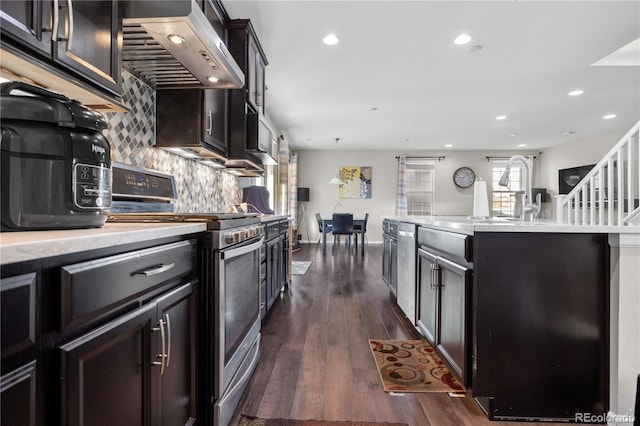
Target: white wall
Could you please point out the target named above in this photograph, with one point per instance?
(316, 168)
(581, 152)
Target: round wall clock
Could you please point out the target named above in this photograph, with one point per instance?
(464, 177)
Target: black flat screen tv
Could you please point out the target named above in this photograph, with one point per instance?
(569, 178)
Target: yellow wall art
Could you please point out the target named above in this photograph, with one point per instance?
(355, 181)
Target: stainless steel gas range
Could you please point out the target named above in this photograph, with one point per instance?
(228, 291)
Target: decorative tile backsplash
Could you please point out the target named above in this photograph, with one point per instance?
(201, 189)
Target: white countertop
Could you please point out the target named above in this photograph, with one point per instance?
(272, 217)
(469, 226)
(32, 245)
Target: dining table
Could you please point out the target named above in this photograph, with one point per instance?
(358, 229)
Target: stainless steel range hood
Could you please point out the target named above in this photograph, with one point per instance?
(197, 61)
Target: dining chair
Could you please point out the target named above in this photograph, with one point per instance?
(320, 230)
(319, 220)
(363, 231)
(342, 225)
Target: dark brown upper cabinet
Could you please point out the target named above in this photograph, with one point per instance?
(246, 49)
(80, 38)
(247, 104)
(215, 13)
(194, 120)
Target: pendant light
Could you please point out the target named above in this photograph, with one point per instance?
(335, 180)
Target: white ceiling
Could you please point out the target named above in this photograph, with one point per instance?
(399, 57)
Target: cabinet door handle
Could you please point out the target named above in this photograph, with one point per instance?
(434, 276)
(209, 123)
(162, 355)
(70, 34)
(168, 323)
(56, 20)
(431, 275)
(160, 269)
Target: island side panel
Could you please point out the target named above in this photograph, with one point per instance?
(540, 311)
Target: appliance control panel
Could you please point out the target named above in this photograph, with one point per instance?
(91, 186)
(237, 235)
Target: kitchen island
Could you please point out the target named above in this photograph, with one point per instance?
(571, 290)
(469, 226)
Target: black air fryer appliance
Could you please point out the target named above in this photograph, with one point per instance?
(55, 162)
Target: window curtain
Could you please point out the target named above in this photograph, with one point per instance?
(401, 204)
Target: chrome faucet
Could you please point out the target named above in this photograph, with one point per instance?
(527, 206)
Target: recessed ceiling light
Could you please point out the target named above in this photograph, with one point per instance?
(522, 145)
(576, 93)
(609, 116)
(513, 134)
(568, 132)
(501, 117)
(462, 39)
(176, 39)
(408, 140)
(213, 79)
(373, 109)
(449, 145)
(331, 39)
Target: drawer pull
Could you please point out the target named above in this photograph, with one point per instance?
(160, 269)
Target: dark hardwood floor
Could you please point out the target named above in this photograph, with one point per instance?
(315, 360)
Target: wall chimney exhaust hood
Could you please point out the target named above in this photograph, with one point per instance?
(171, 44)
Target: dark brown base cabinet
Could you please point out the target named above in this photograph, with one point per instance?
(276, 248)
(444, 297)
(104, 337)
(18, 390)
(19, 350)
(390, 255)
(138, 367)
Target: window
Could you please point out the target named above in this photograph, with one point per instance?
(419, 176)
(503, 198)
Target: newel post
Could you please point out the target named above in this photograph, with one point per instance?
(559, 208)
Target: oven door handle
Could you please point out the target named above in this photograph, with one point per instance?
(228, 254)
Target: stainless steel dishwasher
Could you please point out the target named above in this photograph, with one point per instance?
(407, 246)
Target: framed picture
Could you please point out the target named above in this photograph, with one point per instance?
(355, 181)
(569, 178)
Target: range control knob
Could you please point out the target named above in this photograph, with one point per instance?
(231, 237)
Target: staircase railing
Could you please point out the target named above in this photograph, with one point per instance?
(608, 194)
